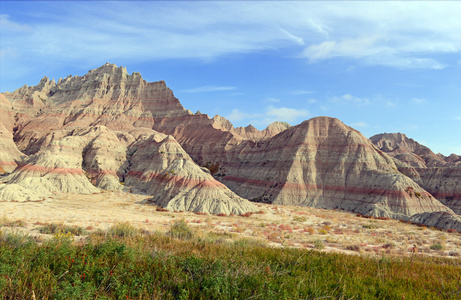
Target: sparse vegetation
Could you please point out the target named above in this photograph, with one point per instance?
(437, 247)
(55, 228)
(180, 230)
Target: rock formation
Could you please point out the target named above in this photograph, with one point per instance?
(111, 130)
(437, 174)
(160, 167)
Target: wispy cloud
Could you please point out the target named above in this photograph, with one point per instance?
(237, 116)
(293, 37)
(359, 124)
(270, 115)
(377, 33)
(209, 88)
(273, 100)
(458, 118)
(418, 100)
(7, 25)
(348, 98)
(286, 114)
(301, 92)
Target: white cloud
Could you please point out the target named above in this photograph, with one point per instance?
(374, 33)
(418, 100)
(209, 88)
(9, 26)
(458, 118)
(237, 116)
(293, 37)
(348, 98)
(270, 115)
(300, 92)
(312, 101)
(359, 124)
(273, 100)
(286, 114)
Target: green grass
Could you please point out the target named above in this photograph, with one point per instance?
(159, 266)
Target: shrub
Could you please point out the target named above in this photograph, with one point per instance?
(323, 231)
(55, 228)
(15, 239)
(180, 230)
(437, 247)
(353, 247)
(309, 230)
(122, 230)
(63, 237)
(318, 244)
(248, 214)
(161, 209)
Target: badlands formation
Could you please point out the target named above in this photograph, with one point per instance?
(109, 130)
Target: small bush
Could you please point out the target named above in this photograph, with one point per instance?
(248, 214)
(309, 230)
(122, 230)
(15, 239)
(55, 228)
(161, 209)
(323, 231)
(7, 223)
(437, 247)
(318, 244)
(353, 247)
(180, 230)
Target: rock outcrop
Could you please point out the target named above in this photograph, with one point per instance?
(160, 167)
(111, 130)
(437, 174)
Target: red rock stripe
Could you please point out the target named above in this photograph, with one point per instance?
(8, 163)
(42, 169)
(314, 187)
(178, 181)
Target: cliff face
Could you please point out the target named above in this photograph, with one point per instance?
(111, 130)
(437, 174)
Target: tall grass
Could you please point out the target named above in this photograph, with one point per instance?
(160, 266)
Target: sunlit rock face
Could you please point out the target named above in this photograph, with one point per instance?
(437, 174)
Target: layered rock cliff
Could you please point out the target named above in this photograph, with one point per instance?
(437, 174)
(111, 130)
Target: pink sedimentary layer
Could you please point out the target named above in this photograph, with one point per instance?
(44, 170)
(178, 181)
(8, 163)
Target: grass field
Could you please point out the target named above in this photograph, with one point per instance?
(124, 262)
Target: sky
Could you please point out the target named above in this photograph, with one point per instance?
(377, 66)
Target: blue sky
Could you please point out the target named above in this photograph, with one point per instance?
(377, 66)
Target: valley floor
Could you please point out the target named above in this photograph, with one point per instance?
(274, 225)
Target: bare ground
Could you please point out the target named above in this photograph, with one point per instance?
(275, 225)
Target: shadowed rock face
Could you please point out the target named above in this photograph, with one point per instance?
(437, 174)
(91, 132)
